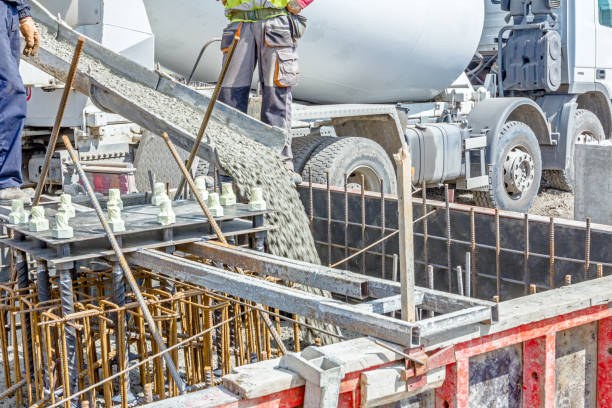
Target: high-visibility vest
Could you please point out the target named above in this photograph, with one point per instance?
(255, 4)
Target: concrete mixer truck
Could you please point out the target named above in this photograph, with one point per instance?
(490, 95)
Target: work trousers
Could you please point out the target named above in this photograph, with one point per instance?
(12, 98)
(269, 45)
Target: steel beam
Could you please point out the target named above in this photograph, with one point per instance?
(277, 296)
(445, 322)
(317, 276)
(335, 280)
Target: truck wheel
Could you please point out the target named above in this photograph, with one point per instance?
(587, 129)
(515, 181)
(302, 148)
(355, 157)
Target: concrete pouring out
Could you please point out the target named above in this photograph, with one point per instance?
(249, 163)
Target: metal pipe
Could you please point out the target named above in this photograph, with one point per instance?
(497, 252)
(526, 274)
(210, 108)
(406, 239)
(448, 239)
(430, 282)
(195, 66)
(187, 176)
(58, 119)
(383, 223)
(468, 274)
(460, 281)
(125, 267)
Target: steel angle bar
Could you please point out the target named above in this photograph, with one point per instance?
(330, 279)
(454, 320)
(388, 304)
(317, 276)
(277, 296)
(443, 302)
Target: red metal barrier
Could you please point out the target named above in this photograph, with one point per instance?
(538, 342)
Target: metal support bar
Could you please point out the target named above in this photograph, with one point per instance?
(334, 280)
(404, 170)
(126, 268)
(187, 176)
(317, 276)
(58, 119)
(445, 322)
(209, 109)
(276, 296)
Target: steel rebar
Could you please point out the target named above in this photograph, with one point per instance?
(124, 266)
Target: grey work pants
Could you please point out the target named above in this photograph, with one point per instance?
(268, 44)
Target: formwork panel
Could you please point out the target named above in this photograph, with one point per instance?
(496, 378)
(576, 367)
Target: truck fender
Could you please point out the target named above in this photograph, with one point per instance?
(598, 102)
(492, 114)
(560, 110)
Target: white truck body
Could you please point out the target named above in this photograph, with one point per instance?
(554, 69)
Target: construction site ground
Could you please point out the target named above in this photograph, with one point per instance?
(549, 203)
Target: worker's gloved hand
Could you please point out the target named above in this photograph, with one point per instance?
(31, 36)
(294, 7)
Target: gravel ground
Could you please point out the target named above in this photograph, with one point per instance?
(549, 203)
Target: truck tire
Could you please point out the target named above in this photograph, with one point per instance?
(515, 181)
(302, 148)
(587, 128)
(354, 156)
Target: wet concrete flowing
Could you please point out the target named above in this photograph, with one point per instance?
(249, 163)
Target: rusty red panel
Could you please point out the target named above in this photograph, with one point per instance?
(533, 372)
(291, 398)
(530, 331)
(604, 364)
(445, 395)
(539, 372)
(463, 383)
(549, 375)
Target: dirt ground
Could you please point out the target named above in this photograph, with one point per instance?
(549, 203)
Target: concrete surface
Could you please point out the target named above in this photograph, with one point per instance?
(593, 191)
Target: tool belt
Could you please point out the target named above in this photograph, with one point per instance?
(256, 15)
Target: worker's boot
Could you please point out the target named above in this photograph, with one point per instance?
(14, 193)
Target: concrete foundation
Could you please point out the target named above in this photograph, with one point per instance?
(593, 191)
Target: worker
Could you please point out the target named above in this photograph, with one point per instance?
(14, 17)
(268, 39)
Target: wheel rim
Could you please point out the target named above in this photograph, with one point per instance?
(365, 176)
(519, 172)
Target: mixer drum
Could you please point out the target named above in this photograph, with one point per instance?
(354, 51)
